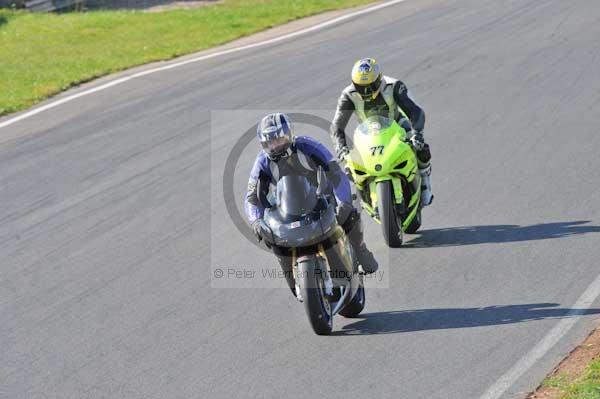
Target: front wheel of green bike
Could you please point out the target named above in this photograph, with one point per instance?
(391, 223)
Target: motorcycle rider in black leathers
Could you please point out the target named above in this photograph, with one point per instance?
(372, 93)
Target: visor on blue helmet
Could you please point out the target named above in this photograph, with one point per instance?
(275, 135)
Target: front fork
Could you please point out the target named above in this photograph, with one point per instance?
(343, 253)
(321, 258)
(398, 195)
(401, 206)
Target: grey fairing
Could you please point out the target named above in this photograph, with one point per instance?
(310, 231)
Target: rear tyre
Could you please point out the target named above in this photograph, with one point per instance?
(312, 289)
(415, 224)
(390, 223)
(356, 305)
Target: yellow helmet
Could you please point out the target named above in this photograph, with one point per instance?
(366, 78)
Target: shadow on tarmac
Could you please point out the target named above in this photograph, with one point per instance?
(473, 235)
(447, 318)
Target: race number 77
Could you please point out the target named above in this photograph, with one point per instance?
(376, 149)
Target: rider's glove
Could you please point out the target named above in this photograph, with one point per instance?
(417, 141)
(341, 152)
(256, 229)
(406, 125)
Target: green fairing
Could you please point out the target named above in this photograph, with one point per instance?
(381, 153)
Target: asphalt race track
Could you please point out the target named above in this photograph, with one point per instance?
(113, 219)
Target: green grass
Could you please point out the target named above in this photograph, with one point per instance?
(43, 54)
(586, 387)
(560, 381)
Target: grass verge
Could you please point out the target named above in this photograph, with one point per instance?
(586, 387)
(577, 376)
(43, 54)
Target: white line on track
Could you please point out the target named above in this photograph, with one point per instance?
(584, 302)
(119, 81)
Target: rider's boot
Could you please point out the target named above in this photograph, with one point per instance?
(424, 161)
(366, 260)
(426, 193)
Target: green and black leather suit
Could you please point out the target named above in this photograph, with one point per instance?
(394, 101)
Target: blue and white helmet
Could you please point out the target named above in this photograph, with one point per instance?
(275, 135)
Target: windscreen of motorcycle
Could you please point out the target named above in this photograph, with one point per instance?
(295, 195)
(374, 125)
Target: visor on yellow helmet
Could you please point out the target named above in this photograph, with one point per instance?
(366, 78)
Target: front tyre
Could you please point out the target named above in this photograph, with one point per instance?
(312, 290)
(390, 222)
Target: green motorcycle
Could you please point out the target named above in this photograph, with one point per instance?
(383, 166)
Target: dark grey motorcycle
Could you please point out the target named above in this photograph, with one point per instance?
(303, 220)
